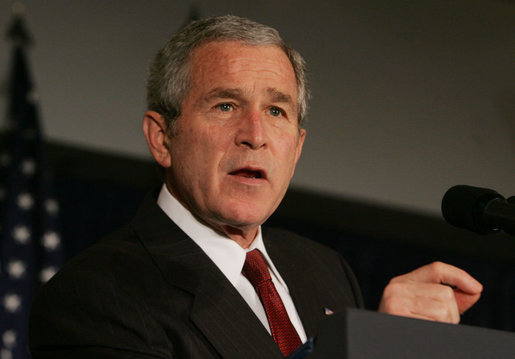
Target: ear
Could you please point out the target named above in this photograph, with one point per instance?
(154, 128)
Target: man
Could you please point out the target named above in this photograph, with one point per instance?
(227, 99)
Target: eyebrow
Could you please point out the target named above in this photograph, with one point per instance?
(278, 96)
(220, 92)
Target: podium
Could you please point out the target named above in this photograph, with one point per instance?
(361, 334)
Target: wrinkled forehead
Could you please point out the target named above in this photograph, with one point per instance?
(230, 62)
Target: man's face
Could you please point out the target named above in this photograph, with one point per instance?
(237, 140)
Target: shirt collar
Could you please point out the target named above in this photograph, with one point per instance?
(227, 255)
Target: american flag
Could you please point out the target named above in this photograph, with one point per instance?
(30, 247)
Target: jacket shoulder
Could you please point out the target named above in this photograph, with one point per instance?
(88, 302)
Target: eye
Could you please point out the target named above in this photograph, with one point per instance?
(275, 111)
(225, 107)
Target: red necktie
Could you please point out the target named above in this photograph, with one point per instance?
(283, 332)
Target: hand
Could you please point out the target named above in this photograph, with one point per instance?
(437, 291)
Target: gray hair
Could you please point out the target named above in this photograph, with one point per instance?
(169, 77)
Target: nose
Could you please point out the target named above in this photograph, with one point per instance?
(251, 132)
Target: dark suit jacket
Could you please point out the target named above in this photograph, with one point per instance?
(148, 291)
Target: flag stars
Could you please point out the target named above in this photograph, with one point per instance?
(30, 242)
(6, 354)
(47, 273)
(9, 339)
(28, 167)
(21, 234)
(16, 269)
(25, 201)
(51, 240)
(12, 302)
(52, 206)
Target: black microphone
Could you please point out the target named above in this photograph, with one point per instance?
(480, 210)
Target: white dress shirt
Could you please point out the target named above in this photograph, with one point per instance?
(229, 257)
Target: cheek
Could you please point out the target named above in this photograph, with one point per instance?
(202, 152)
(289, 154)
(185, 155)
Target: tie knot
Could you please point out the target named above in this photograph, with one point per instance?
(255, 268)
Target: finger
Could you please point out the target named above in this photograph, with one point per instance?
(464, 300)
(439, 272)
(417, 290)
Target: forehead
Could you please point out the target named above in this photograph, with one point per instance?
(232, 63)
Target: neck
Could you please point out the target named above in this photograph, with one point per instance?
(244, 237)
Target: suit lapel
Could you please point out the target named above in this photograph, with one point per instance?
(297, 275)
(218, 310)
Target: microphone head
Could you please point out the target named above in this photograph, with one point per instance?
(463, 206)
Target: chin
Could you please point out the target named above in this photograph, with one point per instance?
(244, 216)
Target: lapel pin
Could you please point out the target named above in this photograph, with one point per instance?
(328, 311)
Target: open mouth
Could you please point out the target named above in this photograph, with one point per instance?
(249, 173)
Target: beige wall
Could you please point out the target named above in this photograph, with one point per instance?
(409, 97)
